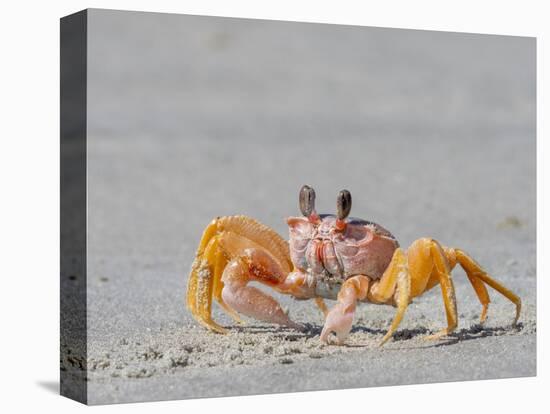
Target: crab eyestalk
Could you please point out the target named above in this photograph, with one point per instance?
(343, 208)
(307, 204)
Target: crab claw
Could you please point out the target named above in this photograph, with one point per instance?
(339, 321)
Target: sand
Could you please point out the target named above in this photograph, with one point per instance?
(186, 362)
(191, 118)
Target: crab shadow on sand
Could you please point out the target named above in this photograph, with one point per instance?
(310, 331)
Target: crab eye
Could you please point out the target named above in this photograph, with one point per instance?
(343, 204)
(307, 200)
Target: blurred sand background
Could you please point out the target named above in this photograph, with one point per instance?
(195, 117)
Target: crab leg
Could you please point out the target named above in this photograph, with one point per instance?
(205, 270)
(443, 271)
(395, 276)
(198, 265)
(382, 290)
(403, 298)
(482, 294)
(475, 271)
(479, 287)
(322, 306)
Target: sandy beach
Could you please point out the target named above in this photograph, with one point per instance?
(191, 118)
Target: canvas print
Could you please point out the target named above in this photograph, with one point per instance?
(253, 206)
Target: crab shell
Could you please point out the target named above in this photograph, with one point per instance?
(320, 248)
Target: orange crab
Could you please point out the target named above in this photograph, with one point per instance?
(328, 257)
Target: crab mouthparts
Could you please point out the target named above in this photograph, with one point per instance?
(319, 252)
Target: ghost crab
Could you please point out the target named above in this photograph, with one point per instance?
(328, 257)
